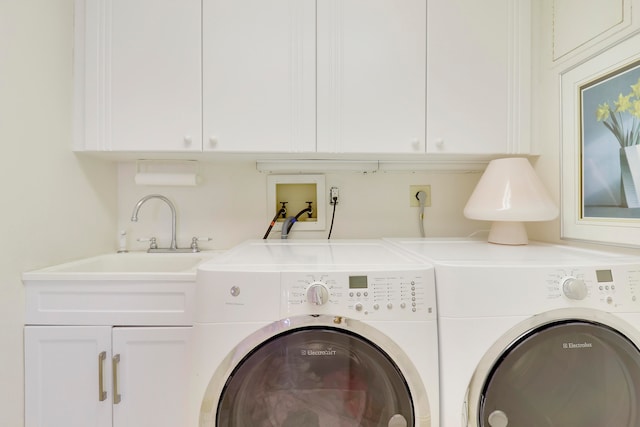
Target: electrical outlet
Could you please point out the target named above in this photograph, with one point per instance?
(333, 194)
(414, 189)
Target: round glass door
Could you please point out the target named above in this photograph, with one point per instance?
(316, 377)
(564, 374)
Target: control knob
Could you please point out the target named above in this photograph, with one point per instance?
(574, 288)
(317, 293)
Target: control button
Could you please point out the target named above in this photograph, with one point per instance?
(413, 294)
(413, 309)
(366, 294)
(413, 282)
(358, 294)
(317, 294)
(403, 305)
(234, 291)
(574, 288)
(389, 305)
(413, 298)
(358, 307)
(613, 287)
(376, 306)
(609, 300)
(351, 294)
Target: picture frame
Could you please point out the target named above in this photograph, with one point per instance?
(600, 117)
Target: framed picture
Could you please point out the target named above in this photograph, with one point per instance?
(600, 197)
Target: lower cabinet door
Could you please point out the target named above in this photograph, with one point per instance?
(150, 376)
(67, 376)
(103, 376)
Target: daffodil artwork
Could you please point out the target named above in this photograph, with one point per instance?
(610, 143)
(622, 116)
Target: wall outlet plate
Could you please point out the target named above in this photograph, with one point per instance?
(413, 190)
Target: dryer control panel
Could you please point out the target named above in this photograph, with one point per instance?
(515, 290)
(609, 287)
(379, 295)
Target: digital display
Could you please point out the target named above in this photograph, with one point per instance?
(604, 276)
(357, 282)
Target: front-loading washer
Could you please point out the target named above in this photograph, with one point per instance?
(538, 335)
(312, 333)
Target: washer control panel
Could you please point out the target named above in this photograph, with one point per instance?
(372, 295)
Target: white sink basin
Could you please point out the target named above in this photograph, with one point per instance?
(132, 263)
(135, 288)
(138, 264)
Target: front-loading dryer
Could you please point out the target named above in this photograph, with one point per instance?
(315, 334)
(539, 335)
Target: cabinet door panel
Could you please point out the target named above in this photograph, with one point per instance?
(143, 75)
(478, 65)
(62, 369)
(152, 376)
(259, 75)
(371, 76)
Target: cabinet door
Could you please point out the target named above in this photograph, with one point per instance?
(259, 75)
(142, 75)
(371, 76)
(151, 374)
(478, 65)
(67, 376)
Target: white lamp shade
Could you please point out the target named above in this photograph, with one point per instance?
(509, 191)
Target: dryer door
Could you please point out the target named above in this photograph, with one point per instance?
(563, 374)
(315, 376)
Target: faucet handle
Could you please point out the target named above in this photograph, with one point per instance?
(153, 243)
(195, 240)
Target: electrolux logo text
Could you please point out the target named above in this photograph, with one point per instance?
(311, 352)
(570, 345)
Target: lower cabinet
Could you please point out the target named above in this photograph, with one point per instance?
(103, 376)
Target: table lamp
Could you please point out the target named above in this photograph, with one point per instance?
(509, 193)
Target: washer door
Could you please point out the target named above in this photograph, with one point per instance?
(315, 376)
(565, 373)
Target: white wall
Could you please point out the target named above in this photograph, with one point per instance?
(231, 205)
(546, 114)
(54, 207)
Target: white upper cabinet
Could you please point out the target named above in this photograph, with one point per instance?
(259, 75)
(304, 76)
(478, 76)
(329, 76)
(371, 76)
(138, 75)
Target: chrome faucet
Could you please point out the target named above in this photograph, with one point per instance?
(134, 218)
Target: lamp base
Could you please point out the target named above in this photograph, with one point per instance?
(508, 233)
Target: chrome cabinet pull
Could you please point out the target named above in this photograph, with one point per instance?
(116, 396)
(102, 394)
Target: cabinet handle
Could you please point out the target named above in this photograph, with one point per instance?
(116, 396)
(102, 394)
